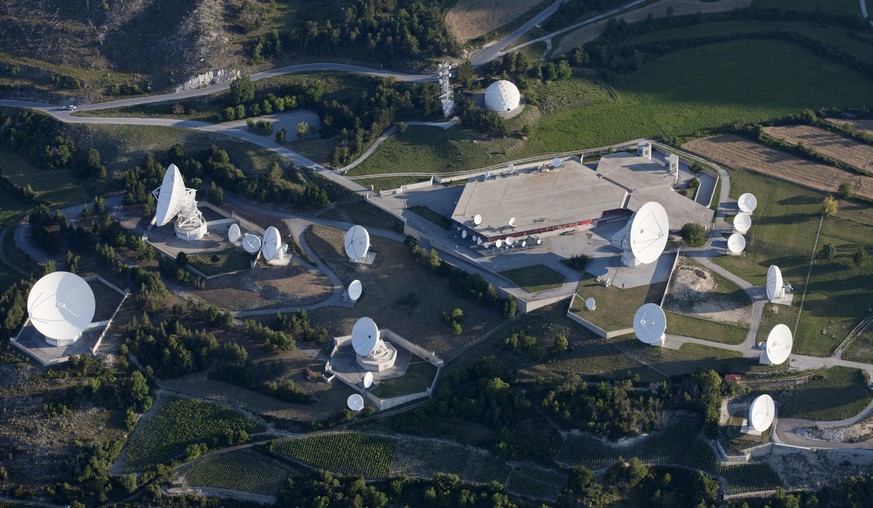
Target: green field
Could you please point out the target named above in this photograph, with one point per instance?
(215, 263)
(534, 279)
(680, 445)
(176, 423)
(343, 453)
(536, 482)
(57, 186)
(418, 378)
(687, 326)
(615, 306)
(240, 470)
(861, 350)
(835, 394)
(432, 216)
(849, 7)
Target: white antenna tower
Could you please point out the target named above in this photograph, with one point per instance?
(447, 94)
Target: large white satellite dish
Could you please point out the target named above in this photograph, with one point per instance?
(272, 244)
(778, 346)
(365, 336)
(510, 241)
(650, 323)
(747, 202)
(649, 230)
(498, 243)
(233, 233)
(357, 242)
(775, 284)
(761, 412)
(251, 243)
(590, 304)
(355, 290)
(171, 196)
(742, 222)
(368, 380)
(355, 402)
(477, 219)
(736, 243)
(60, 306)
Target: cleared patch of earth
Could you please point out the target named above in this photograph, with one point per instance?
(266, 287)
(469, 19)
(695, 292)
(815, 469)
(858, 125)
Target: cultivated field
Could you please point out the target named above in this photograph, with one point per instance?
(660, 9)
(536, 482)
(424, 457)
(241, 470)
(827, 143)
(469, 19)
(858, 125)
(739, 153)
(345, 453)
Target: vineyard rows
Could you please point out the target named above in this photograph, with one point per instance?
(679, 445)
(425, 457)
(240, 470)
(177, 423)
(739, 153)
(536, 482)
(345, 453)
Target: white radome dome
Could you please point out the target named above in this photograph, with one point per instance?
(502, 96)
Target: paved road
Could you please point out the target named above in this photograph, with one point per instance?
(486, 54)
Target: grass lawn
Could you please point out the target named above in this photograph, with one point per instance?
(418, 378)
(361, 212)
(432, 216)
(57, 186)
(849, 7)
(835, 394)
(228, 260)
(615, 307)
(861, 350)
(688, 326)
(534, 279)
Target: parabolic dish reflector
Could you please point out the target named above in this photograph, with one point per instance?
(464, 234)
(357, 242)
(477, 219)
(365, 336)
(498, 243)
(747, 202)
(736, 243)
(649, 230)
(779, 344)
(233, 233)
(761, 412)
(556, 162)
(170, 196)
(590, 304)
(355, 402)
(251, 243)
(510, 241)
(368, 379)
(774, 282)
(650, 323)
(512, 222)
(272, 243)
(742, 222)
(61, 305)
(355, 290)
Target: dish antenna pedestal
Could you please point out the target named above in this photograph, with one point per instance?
(174, 201)
(371, 352)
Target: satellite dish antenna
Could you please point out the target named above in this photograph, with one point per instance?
(477, 219)
(650, 323)
(355, 290)
(365, 336)
(512, 222)
(742, 222)
(736, 243)
(272, 244)
(649, 230)
(510, 241)
(171, 196)
(762, 412)
(556, 163)
(539, 241)
(355, 402)
(590, 304)
(511, 167)
(478, 240)
(368, 380)
(498, 243)
(464, 234)
(524, 243)
(778, 346)
(60, 306)
(775, 285)
(357, 242)
(486, 175)
(747, 202)
(251, 243)
(233, 233)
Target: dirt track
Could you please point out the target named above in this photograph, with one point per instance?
(659, 9)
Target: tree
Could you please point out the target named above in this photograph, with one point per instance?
(302, 129)
(827, 252)
(831, 206)
(561, 344)
(465, 74)
(510, 307)
(693, 234)
(846, 191)
(861, 258)
(95, 166)
(280, 136)
(181, 259)
(242, 90)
